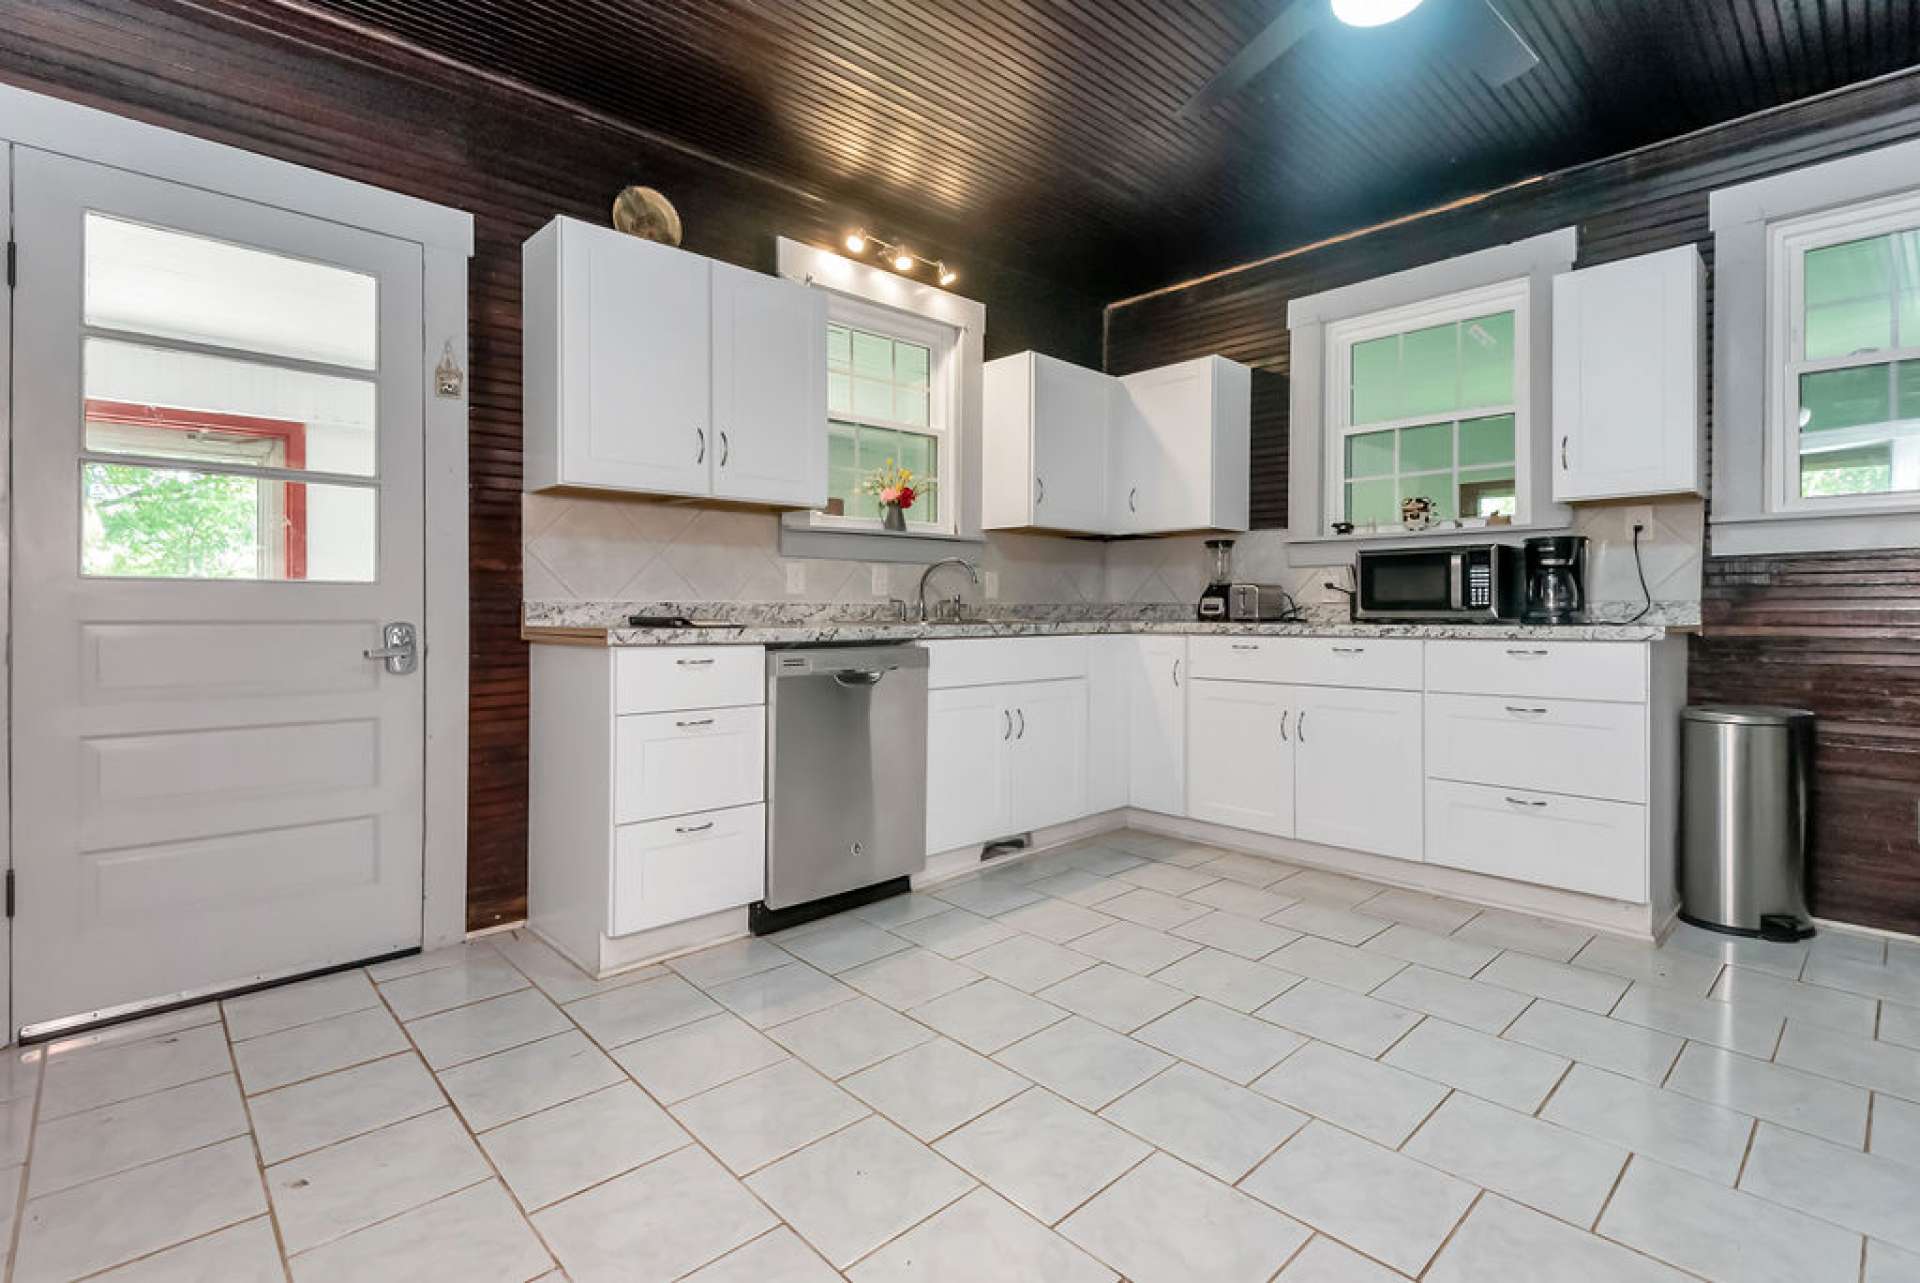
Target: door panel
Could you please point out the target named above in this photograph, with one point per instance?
(769, 389)
(1356, 769)
(1240, 755)
(212, 785)
(968, 733)
(1048, 766)
(1071, 409)
(1157, 737)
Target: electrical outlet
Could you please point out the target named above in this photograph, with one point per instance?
(990, 584)
(796, 578)
(881, 585)
(1641, 515)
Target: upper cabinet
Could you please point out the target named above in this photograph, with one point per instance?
(1077, 451)
(1628, 382)
(655, 371)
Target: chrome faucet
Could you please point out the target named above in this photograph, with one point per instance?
(927, 574)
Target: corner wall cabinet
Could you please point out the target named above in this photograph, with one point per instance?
(1629, 388)
(651, 370)
(1076, 451)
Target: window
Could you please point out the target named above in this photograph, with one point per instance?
(1428, 401)
(1844, 426)
(888, 403)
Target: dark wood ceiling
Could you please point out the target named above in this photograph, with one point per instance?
(1048, 130)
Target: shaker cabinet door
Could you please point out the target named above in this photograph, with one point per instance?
(1356, 769)
(969, 733)
(769, 389)
(1240, 755)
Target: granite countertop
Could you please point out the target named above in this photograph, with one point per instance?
(601, 624)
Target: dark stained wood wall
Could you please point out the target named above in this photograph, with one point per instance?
(257, 76)
(1838, 634)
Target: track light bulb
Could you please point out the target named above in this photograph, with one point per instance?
(856, 242)
(902, 261)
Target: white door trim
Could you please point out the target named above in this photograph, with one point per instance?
(446, 239)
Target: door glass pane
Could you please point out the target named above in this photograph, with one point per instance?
(150, 280)
(187, 405)
(176, 523)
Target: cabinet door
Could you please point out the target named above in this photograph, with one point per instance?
(1110, 664)
(1240, 755)
(1356, 769)
(969, 732)
(769, 389)
(1166, 449)
(1071, 409)
(638, 311)
(1627, 351)
(1047, 768)
(1157, 725)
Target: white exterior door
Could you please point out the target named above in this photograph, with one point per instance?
(769, 389)
(218, 475)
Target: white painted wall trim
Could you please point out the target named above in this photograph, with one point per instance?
(446, 239)
(1537, 258)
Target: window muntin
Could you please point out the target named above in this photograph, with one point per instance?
(1845, 423)
(1429, 403)
(886, 402)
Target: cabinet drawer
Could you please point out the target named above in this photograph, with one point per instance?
(1599, 848)
(1575, 746)
(679, 763)
(999, 661)
(672, 870)
(664, 679)
(1309, 661)
(1592, 670)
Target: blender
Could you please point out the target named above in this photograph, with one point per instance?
(1215, 596)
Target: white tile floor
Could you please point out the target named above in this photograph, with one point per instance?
(1137, 1058)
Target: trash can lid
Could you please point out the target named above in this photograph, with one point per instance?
(1745, 714)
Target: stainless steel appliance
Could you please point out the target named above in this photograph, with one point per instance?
(1744, 775)
(1556, 573)
(1255, 602)
(846, 775)
(1214, 598)
(1472, 583)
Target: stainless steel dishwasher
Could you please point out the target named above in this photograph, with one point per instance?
(846, 776)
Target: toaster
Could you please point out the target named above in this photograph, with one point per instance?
(1252, 603)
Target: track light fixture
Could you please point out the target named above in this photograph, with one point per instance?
(898, 257)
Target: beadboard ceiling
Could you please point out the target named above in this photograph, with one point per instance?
(1050, 130)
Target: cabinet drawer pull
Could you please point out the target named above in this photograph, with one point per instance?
(1522, 652)
(698, 721)
(1244, 645)
(1521, 801)
(1527, 712)
(694, 663)
(693, 828)
(1349, 650)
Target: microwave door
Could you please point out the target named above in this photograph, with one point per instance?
(1407, 585)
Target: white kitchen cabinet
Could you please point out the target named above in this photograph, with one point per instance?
(968, 729)
(651, 370)
(1157, 724)
(1180, 448)
(1577, 843)
(1628, 377)
(1047, 756)
(671, 870)
(1240, 755)
(1356, 769)
(1045, 424)
(1110, 663)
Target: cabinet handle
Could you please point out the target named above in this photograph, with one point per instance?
(1563, 454)
(1243, 645)
(700, 451)
(1527, 712)
(1006, 727)
(726, 449)
(1023, 723)
(1283, 724)
(1133, 495)
(698, 721)
(1040, 488)
(1349, 650)
(1300, 726)
(693, 828)
(1176, 672)
(694, 663)
(1523, 653)
(1521, 801)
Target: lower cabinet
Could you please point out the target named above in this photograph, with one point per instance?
(1356, 769)
(1004, 759)
(1548, 838)
(670, 870)
(1240, 755)
(1156, 700)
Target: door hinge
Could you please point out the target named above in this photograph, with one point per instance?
(9, 893)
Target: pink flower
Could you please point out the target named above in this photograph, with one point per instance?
(890, 495)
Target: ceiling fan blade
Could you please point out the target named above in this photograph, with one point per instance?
(1293, 25)
(1490, 46)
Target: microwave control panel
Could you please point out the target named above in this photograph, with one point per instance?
(1480, 585)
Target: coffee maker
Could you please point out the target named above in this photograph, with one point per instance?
(1214, 598)
(1555, 574)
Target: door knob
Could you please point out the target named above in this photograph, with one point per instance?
(401, 648)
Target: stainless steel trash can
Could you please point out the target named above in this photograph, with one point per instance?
(1744, 775)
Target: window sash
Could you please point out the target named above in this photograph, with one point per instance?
(942, 344)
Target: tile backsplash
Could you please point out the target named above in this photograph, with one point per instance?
(628, 549)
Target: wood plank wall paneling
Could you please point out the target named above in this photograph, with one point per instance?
(260, 77)
(1839, 634)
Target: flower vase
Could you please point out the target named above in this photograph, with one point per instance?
(892, 517)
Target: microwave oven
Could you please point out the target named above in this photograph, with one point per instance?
(1470, 583)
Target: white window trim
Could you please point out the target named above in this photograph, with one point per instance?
(1343, 336)
(1788, 243)
(942, 342)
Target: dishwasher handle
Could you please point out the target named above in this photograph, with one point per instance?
(860, 676)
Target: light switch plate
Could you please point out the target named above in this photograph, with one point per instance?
(990, 584)
(796, 578)
(880, 583)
